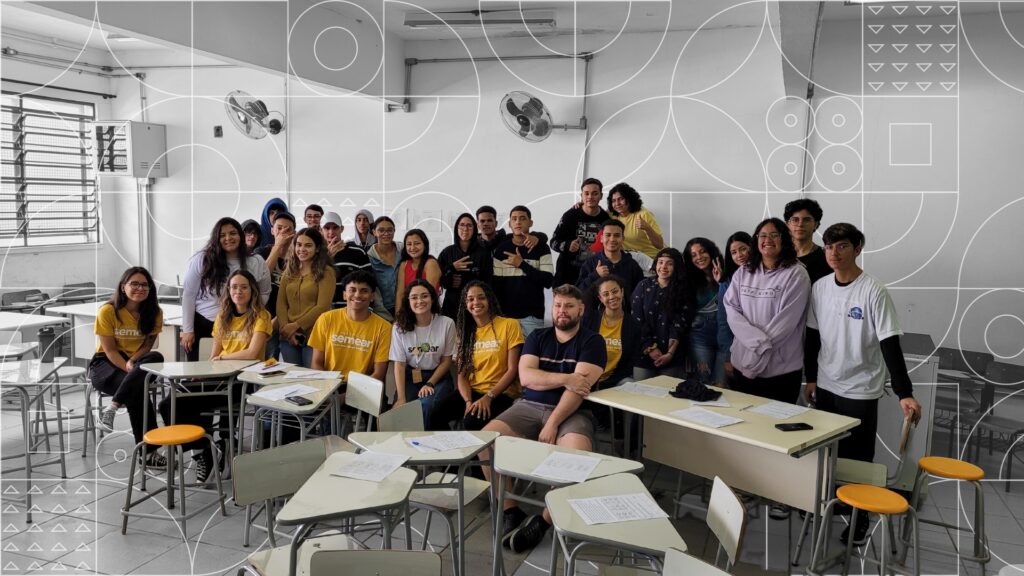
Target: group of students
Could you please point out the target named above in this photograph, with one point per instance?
(465, 333)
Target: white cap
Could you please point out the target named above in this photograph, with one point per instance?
(331, 218)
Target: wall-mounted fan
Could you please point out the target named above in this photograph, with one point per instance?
(527, 117)
(251, 116)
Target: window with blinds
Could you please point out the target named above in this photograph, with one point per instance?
(48, 190)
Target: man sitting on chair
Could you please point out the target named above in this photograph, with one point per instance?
(557, 368)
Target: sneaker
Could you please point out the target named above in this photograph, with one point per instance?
(860, 534)
(778, 511)
(513, 518)
(107, 418)
(204, 465)
(155, 460)
(527, 536)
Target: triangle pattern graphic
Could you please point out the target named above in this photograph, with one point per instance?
(875, 47)
(58, 489)
(58, 509)
(347, 203)
(876, 66)
(58, 547)
(947, 47)
(11, 490)
(924, 9)
(924, 86)
(899, 66)
(924, 66)
(10, 528)
(899, 28)
(60, 567)
(947, 9)
(899, 9)
(947, 66)
(899, 48)
(34, 490)
(83, 566)
(83, 547)
(82, 527)
(947, 28)
(899, 86)
(947, 85)
(34, 528)
(83, 489)
(11, 566)
(10, 547)
(924, 28)
(83, 509)
(33, 566)
(348, 222)
(876, 28)
(371, 203)
(875, 85)
(35, 508)
(34, 547)
(923, 47)
(876, 9)
(58, 528)
(324, 202)
(300, 203)
(10, 509)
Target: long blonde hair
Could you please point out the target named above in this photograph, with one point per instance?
(228, 310)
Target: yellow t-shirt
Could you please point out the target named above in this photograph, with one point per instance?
(490, 354)
(349, 345)
(635, 238)
(613, 343)
(233, 340)
(124, 328)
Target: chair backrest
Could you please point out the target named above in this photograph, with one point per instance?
(168, 293)
(205, 348)
(364, 393)
(281, 471)
(406, 418)
(679, 563)
(8, 298)
(374, 563)
(727, 518)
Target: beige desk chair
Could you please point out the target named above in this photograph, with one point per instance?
(374, 563)
(275, 473)
(679, 563)
(205, 348)
(727, 519)
(366, 395)
(406, 418)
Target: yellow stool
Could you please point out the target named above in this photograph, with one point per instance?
(865, 499)
(953, 469)
(174, 437)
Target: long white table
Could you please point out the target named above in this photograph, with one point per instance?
(27, 324)
(83, 317)
(794, 468)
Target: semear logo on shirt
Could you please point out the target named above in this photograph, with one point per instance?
(486, 345)
(424, 348)
(613, 342)
(856, 313)
(127, 332)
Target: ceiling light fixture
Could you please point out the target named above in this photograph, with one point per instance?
(121, 38)
(505, 19)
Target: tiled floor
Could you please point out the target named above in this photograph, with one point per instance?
(76, 524)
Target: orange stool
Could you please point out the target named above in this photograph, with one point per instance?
(865, 499)
(174, 437)
(953, 469)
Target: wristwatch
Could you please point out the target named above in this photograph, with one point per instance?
(490, 394)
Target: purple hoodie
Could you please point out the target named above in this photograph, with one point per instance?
(766, 311)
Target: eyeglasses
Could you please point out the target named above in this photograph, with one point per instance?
(385, 230)
(769, 236)
(796, 220)
(465, 225)
(138, 285)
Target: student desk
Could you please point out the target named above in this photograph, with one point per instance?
(325, 497)
(27, 324)
(397, 443)
(218, 375)
(794, 468)
(326, 392)
(83, 317)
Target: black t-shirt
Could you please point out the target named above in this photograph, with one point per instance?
(561, 357)
(814, 261)
(348, 259)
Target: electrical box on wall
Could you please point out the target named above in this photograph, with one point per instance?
(128, 148)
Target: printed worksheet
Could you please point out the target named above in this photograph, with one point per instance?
(443, 441)
(644, 390)
(705, 417)
(567, 467)
(713, 403)
(779, 410)
(313, 375)
(372, 466)
(622, 508)
(282, 392)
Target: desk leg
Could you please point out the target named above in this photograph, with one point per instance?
(60, 426)
(230, 444)
(241, 425)
(293, 550)
(627, 433)
(460, 570)
(385, 521)
(27, 430)
(499, 519)
(145, 421)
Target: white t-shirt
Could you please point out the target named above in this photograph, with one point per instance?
(425, 346)
(852, 321)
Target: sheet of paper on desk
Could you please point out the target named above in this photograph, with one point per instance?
(260, 367)
(699, 415)
(372, 466)
(443, 441)
(713, 403)
(644, 390)
(621, 508)
(779, 410)
(284, 391)
(567, 467)
(313, 375)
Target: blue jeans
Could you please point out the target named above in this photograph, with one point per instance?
(433, 404)
(704, 360)
(529, 324)
(301, 355)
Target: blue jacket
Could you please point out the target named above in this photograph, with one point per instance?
(265, 224)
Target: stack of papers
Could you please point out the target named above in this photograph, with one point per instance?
(261, 368)
(313, 375)
(567, 467)
(644, 389)
(371, 466)
(623, 508)
(779, 410)
(705, 417)
(282, 392)
(444, 441)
